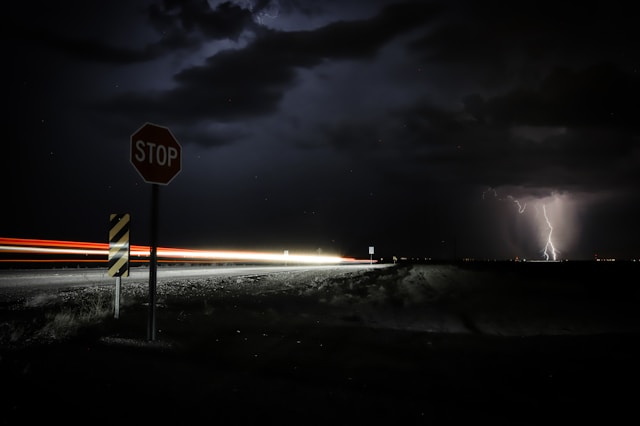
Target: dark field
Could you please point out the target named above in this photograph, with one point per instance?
(494, 343)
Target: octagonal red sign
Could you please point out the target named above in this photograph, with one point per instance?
(156, 154)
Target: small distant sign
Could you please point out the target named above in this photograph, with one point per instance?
(371, 251)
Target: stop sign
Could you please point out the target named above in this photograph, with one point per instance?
(156, 154)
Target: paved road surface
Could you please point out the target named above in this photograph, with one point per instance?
(60, 278)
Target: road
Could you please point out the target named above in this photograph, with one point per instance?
(61, 278)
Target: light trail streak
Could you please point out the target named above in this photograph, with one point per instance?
(51, 250)
(100, 252)
(51, 243)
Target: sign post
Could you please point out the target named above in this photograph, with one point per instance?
(371, 255)
(157, 156)
(153, 263)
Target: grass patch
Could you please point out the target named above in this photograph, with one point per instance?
(69, 321)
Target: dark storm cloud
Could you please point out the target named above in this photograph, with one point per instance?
(555, 102)
(251, 81)
(593, 112)
(571, 132)
(600, 95)
(101, 52)
(181, 25)
(226, 21)
(504, 40)
(598, 108)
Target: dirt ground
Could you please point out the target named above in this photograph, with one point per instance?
(408, 344)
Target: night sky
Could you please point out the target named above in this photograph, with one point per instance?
(452, 129)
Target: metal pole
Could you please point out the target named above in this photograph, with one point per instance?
(116, 303)
(153, 263)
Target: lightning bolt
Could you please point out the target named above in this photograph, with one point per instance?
(520, 206)
(548, 247)
(549, 251)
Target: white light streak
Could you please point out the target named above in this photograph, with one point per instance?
(241, 255)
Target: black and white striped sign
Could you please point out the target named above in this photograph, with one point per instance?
(119, 245)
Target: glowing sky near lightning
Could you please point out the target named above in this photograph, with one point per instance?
(540, 226)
